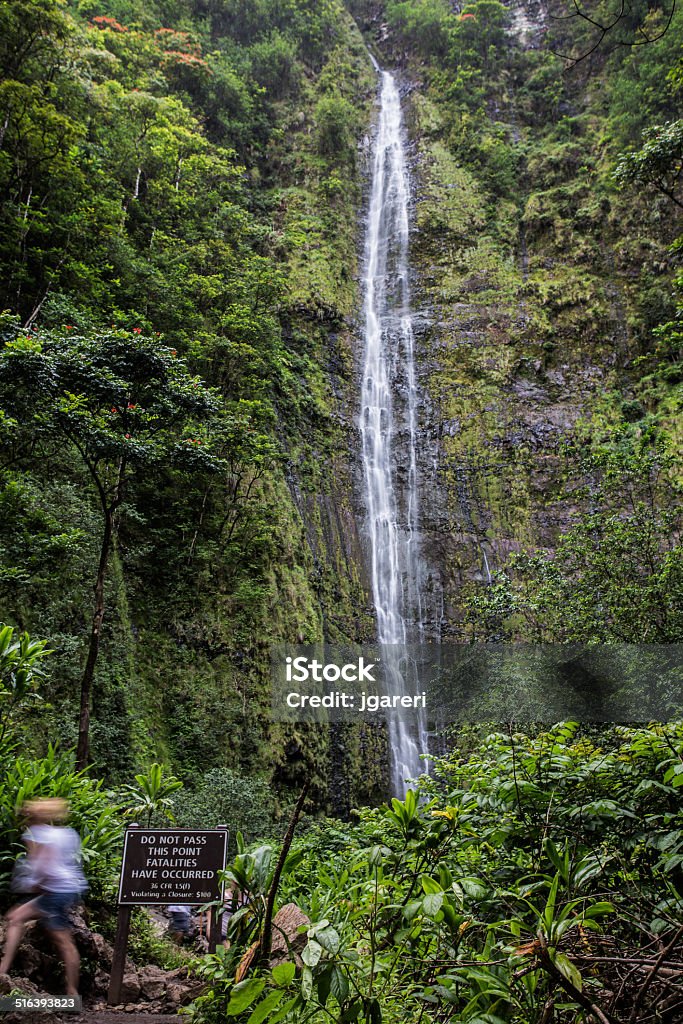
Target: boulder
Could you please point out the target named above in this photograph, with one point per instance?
(177, 995)
(130, 988)
(100, 982)
(286, 941)
(102, 950)
(152, 982)
(286, 935)
(178, 974)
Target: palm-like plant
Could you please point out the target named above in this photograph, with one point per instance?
(152, 794)
(19, 673)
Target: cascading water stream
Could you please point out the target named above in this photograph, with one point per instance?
(388, 425)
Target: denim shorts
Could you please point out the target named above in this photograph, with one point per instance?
(55, 908)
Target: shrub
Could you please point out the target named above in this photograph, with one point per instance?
(334, 117)
(223, 796)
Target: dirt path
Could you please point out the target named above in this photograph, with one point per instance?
(96, 1017)
(112, 1017)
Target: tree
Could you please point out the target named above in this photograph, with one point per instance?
(613, 24)
(659, 163)
(126, 406)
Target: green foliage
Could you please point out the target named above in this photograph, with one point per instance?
(93, 813)
(617, 572)
(641, 86)
(659, 163)
(130, 217)
(123, 405)
(485, 895)
(146, 946)
(20, 675)
(274, 65)
(334, 118)
(122, 400)
(222, 795)
(426, 24)
(152, 797)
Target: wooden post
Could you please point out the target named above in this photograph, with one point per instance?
(118, 962)
(213, 929)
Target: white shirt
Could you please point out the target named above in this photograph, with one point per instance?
(56, 858)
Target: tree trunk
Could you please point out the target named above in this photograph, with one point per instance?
(83, 748)
(267, 933)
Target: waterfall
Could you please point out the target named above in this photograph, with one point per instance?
(388, 425)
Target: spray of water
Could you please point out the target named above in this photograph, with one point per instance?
(388, 424)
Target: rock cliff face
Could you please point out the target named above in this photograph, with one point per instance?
(529, 305)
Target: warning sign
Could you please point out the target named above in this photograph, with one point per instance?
(172, 866)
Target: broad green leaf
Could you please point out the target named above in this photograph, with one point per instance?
(339, 986)
(352, 1012)
(306, 983)
(375, 1012)
(285, 1009)
(312, 953)
(430, 885)
(328, 939)
(598, 909)
(264, 1008)
(244, 994)
(569, 970)
(411, 909)
(283, 974)
(323, 982)
(432, 903)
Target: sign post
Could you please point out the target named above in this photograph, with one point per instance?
(166, 866)
(118, 960)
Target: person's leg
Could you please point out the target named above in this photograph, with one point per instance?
(70, 958)
(17, 919)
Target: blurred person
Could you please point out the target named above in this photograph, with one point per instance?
(52, 871)
(180, 924)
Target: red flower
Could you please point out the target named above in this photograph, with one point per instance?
(114, 409)
(103, 22)
(131, 406)
(137, 330)
(68, 327)
(128, 435)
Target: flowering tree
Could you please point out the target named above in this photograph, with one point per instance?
(127, 406)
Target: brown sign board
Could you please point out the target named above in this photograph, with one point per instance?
(172, 865)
